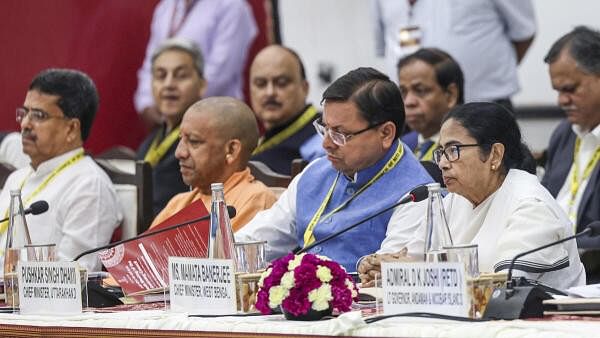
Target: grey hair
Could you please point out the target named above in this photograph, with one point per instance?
(183, 45)
(583, 45)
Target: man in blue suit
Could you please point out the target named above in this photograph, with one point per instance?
(366, 170)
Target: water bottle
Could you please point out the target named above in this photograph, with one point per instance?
(437, 235)
(221, 242)
(17, 236)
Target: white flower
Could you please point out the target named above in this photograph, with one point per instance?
(276, 295)
(324, 274)
(263, 276)
(287, 280)
(320, 297)
(294, 263)
(351, 287)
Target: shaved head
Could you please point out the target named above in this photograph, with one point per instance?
(217, 137)
(232, 118)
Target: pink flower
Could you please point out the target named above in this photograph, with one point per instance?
(262, 302)
(311, 259)
(336, 270)
(306, 277)
(296, 303)
(342, 298)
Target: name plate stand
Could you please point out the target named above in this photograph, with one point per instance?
(50, 288)
(424, 287)
(202, 286)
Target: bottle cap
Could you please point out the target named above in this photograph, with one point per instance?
(216, 186)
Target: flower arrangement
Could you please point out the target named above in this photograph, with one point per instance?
(304, 282)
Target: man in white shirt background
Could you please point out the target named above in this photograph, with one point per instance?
(488, 38)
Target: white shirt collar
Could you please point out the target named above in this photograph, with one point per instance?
(583, 133)
(51, 164)
(435, 138)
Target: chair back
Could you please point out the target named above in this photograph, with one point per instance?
(298, 164)
(135, 195)
(121, 157)
(118, 152)
(263, 173)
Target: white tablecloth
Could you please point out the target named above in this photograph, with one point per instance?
(350, 324)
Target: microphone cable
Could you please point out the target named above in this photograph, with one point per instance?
(430, 315)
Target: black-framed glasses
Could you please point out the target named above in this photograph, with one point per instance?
(337, 137)
(35, 115)
(451, 152)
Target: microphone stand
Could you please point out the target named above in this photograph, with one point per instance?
(509, 279)
(335, 234)
(416, 195)
(517, 301)
(230, 210)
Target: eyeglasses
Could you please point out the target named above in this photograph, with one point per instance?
(338, 138)
(36, 116)
(452, 152)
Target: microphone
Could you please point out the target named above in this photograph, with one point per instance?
(415, 195)
(36, 208)
(517, 301)
(230, 210)
(593, 229)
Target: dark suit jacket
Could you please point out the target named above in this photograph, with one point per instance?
(560, 159)
(279, 158)
(166, 177)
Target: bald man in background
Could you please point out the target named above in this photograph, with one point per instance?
(218, 135)
(278, 91)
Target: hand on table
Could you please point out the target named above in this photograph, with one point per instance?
(369, 268)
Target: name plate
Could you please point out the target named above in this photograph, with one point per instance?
(202, 286)
(424, 287)
(52, 288)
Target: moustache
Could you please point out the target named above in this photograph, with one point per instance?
(26, 133)
(271, 102)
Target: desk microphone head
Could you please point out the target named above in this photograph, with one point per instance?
(419, 193)
(40, 207)
(230, 210)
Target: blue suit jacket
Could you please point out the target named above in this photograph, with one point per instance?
(411, 139)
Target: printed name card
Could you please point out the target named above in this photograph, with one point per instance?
(424, 287)
(202, 286)
(52, 288)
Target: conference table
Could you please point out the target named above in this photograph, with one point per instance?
(163, 323)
